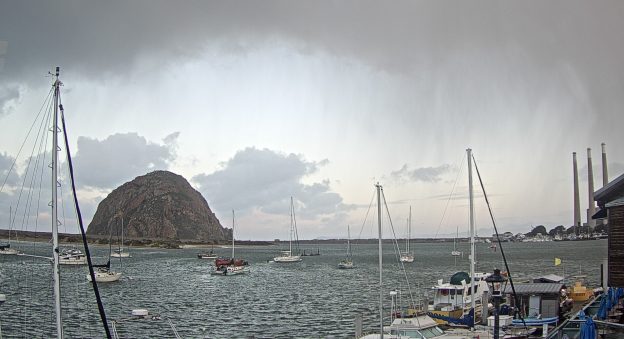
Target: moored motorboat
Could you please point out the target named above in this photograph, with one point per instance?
(72, 256)
(580, 292)
(207, 255)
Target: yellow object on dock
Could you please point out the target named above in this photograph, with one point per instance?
(580, 293)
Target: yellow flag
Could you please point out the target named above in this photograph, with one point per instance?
(557, 261)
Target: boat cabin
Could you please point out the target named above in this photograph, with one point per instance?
(455, 294)
(537, 299)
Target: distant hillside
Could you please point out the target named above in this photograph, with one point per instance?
(158, 205)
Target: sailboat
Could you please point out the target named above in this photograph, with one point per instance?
(6, 248)
(416, 325)
(230, 266)
(408, 256)
(454, 298)
(287, 256)
(121, 252)
(455, 252)
(347, 262)
(103, 272)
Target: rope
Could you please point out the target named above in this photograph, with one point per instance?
(500, 245)
(45, 104)
(366, 216)
(397, 249)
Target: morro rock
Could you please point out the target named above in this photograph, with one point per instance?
(157, 206)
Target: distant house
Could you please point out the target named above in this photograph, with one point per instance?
(610, 200)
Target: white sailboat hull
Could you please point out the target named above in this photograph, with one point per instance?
(345, 265)
(407, 257)
(288, 259)
(105, 276)
(120, 255)
(9, 251)
(230, 270)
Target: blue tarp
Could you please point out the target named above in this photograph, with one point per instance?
(588, 329)
(467, 319)
(581, 315)
(602, 310)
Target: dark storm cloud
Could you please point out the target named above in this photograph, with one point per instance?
(262, 179)
(424, 174)
(94, 37)
(119, 158)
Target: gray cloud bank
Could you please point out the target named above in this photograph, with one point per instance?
(120, 157)
(423, 174)
(264, 180)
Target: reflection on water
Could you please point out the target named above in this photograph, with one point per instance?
(308, 299)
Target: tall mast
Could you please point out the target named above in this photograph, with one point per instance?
(10, 222)
(409, 229)
(380, 261)
(232, 234)
(605, 172)
(291, 225)
(348, 241)
(55, 242)
(122, 233)
(472, 231)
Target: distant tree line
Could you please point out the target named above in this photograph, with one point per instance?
(541, 229)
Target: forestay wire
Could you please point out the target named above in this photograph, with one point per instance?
(500, 245)
(397, 249)
(82, 229)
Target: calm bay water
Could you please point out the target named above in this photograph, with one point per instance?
(308, 299)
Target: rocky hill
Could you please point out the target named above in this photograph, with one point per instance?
(158, 205)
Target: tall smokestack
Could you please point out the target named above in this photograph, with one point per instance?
(577, 204)
(590, 185)
(605, 174)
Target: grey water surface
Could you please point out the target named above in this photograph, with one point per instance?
(310, 299)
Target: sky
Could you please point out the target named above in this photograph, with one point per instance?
(257, 102)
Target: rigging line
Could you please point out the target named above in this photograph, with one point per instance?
(45, 143)
(45, 104)
(296, 232)
(30, 158)
(38, 161)
(448, 200)
(500, 245)
(82, 230)
(398, 250)
(366, 216)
